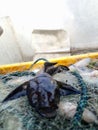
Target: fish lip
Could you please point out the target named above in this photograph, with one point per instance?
(48, 113)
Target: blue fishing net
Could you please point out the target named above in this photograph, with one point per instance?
(19, 115)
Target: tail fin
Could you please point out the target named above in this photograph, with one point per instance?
(48, 65)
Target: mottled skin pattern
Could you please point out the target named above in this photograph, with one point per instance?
(43, 94)
(43, 91)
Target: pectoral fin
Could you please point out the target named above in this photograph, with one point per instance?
(17, 93)
(66, 89)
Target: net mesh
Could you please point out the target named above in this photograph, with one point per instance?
(19, 115)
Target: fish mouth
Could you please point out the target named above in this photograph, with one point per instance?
(47, 112)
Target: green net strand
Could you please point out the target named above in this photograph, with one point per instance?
(76, 122)
(10, 76)
(43, 59)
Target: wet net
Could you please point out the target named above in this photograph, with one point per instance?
(19, 115)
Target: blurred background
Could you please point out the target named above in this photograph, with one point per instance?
(46, 28)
